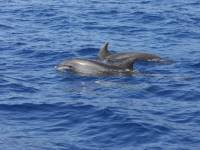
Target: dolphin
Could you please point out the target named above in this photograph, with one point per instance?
(87, 67)
(107, 56)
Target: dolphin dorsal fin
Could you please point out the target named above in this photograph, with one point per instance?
(103, 52)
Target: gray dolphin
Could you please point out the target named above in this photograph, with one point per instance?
(104, 54)
(89, 67)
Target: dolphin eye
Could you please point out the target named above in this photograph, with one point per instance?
(70, 67)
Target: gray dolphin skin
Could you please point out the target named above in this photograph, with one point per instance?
(105, 55)
(89, 67)
(108, 63)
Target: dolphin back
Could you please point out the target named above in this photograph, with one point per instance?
(104, 54)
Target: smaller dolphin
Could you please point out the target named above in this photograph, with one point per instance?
(88, 67)
(104, 54)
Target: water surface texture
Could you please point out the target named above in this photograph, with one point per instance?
(42, 109)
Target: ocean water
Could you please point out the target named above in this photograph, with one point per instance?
(43, 109)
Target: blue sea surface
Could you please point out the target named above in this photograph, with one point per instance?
(43, 109)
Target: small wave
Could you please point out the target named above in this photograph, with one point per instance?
(19, 88)
(195, 65)
(5, 27)
(28, 107)
(88, 51)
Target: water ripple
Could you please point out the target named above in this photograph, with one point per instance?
(41, 108)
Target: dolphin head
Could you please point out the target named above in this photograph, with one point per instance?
(84, 66)
(66, 65)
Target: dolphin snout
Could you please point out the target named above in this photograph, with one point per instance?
(63, 67)
(59, 68)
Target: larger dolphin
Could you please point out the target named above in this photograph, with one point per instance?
(89, 67)
(104, 54)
